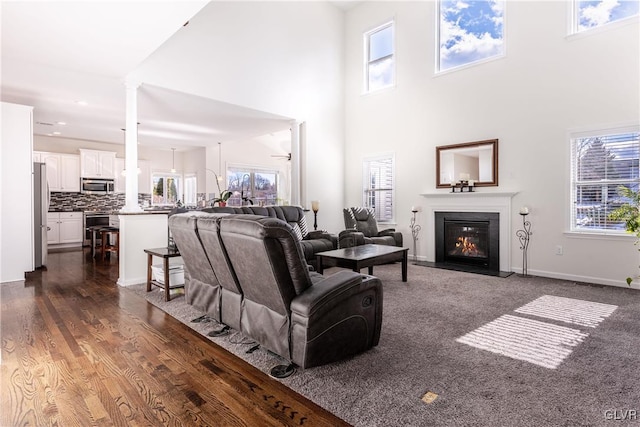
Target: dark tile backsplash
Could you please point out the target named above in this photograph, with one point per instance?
(61, 202)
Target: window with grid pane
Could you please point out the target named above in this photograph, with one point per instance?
(600, 164)
(379, 65)
(252, 186)
(167, 189)
(378, 183)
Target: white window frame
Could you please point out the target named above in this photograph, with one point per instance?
(232, 169)
(574, 20)
(367, 191)
(367, 38)
(190, 193)
(166, 175)
(439, 71)
(573, 136)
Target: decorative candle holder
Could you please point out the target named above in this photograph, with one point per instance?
(461, 185)
(315, 207)
(524, 235)
(415, 229)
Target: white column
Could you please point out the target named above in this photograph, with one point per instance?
(295, 163)
(131, 149)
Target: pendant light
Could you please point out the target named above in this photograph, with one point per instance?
(173, 168)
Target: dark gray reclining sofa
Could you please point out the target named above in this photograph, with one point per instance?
(311, 242)
(249, 272)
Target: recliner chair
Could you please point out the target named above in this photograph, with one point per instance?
(307, 318)
(362, 228)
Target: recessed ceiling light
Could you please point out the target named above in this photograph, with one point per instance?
(83, 103)
(61, 123)
(56, 133)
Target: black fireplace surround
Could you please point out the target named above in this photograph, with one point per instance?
(468, 241)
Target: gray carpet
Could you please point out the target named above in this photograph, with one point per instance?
(496, 351)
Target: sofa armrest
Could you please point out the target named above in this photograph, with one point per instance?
(332, 291)
(318, 234)
(393, 233)
(350, 238)
(335, 318)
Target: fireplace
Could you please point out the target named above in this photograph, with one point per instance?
(468, 241)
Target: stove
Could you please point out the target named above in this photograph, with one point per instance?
(93, 218)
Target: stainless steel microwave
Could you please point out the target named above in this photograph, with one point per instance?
(97, 186)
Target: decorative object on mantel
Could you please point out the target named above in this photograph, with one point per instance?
(523, 236)
(462, 184)
(415, 229)
(315, 207)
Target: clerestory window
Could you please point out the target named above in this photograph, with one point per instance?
(468, 32)
(594, 14)
(379, 54)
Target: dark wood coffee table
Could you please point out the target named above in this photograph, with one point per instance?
(359, 257)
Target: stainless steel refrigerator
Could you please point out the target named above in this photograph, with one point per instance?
(40, 210)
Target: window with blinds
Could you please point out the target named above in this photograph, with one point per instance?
(600, 165)
(378, 186)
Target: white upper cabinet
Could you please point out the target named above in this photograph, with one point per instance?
(63, 170)
(69, 172)
(52, 160)
(97, 164)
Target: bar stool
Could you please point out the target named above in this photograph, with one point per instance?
(95, 233)
(107, 233)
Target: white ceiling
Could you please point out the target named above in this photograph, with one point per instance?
(55, 53)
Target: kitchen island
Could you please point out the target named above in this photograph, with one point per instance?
(139, 231)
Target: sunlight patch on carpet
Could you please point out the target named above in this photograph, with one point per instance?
(532, 341)
(569, 310)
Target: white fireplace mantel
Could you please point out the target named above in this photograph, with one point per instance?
(478, 201)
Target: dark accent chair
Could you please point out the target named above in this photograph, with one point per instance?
(362, 228)
(260, 272)
(311, 242)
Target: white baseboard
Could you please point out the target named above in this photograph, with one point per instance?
(131, 282)
(584, 279)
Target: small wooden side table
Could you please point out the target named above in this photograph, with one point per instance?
(165, 254)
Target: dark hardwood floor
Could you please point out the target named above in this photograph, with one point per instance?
(78, 350)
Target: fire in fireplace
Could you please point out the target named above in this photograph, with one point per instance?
(468, 239)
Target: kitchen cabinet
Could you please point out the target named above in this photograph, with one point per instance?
(144, 176)
(97, 164)
(64, 227)
(63, 170)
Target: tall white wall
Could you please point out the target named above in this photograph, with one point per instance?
(285, 58)
(547, 84)
(16, 184)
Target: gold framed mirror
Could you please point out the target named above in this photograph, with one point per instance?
(476, 162)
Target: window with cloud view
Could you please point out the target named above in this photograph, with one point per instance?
(469, 31)
(380, 66)
(593, 14)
